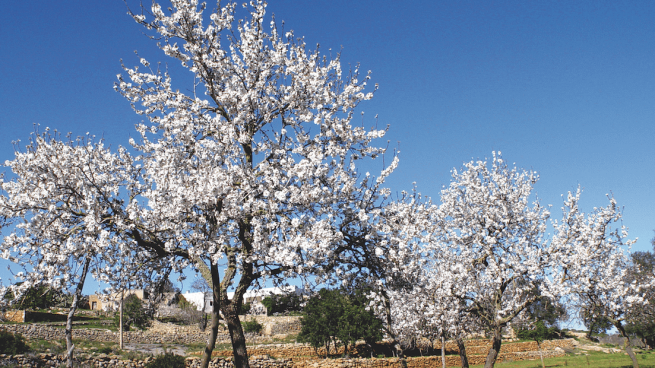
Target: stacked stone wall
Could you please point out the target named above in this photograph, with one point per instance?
(412, 362)
(17, 316)
(303, 359)
(21, 316)
(37, 331)
(51, 360)
(276, 325)
(473, 348)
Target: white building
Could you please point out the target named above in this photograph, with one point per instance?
(251, 296)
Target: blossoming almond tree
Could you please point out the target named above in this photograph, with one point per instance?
(254, 168)
(493, 245)
(253, 172)
(594, 266)
(382, 250)
(482, 257)
(59, 201)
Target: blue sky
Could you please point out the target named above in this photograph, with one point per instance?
(564, 88)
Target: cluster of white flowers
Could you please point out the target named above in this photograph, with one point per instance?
(255, 170)
(476, 261)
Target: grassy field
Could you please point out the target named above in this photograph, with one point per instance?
(594, 359)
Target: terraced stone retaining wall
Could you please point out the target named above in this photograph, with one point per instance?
(36, 331)
(473, 348)
(51, 360)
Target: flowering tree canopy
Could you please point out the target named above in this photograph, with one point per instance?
(594, 267)
(482, 257)
(493, 243)
(255, 170)
(61, 204)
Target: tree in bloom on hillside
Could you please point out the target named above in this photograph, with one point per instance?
(428, 311)
(59, 203)
(483, 256)
(594, 267)
(491, 240)
(255, 170)
(478, 260)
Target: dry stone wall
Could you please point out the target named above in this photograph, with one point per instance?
(37, 331)
(21, 316)
(51, 360)
(276, 325)
(297, 356)
(473, 348)
(412, 362)
(17, 316)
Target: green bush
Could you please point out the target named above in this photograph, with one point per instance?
(168, 360)
(105, 350)
(39, 297)
(539, 332)
(182, 303)
(252, 326)
(282, 304)
(12, 343)
(338, 317)
(135, 314)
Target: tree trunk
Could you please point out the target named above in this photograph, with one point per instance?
(213, 333)
(394, 342)
(541, 355)
(443, 352)
(496, 340)
(69, 321)
(626, 345)
(631, 353)
(120, 322)
(462, 352)
(236, 335)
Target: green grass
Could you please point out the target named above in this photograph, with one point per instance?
(47, 346)
(289, 339)
(593, 360)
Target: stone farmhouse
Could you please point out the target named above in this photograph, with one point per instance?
(111, 302)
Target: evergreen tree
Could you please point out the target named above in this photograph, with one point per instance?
(335, 317)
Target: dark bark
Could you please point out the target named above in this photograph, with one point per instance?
(69, 321)
(626, 345)
(211, 340)
(462, 352)
(496, 340)
(443, 352)
(236, 335)
(541, 355)
(120, 324)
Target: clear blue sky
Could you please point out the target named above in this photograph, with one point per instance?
(566, 88)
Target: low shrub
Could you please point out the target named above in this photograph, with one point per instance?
(105, 350)
(168, 360)
(252, 326)
(12, 343)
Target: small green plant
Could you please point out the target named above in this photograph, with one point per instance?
(135, 314)
(105, 350)
(252, 326)
(168, 360)
(12, 343)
